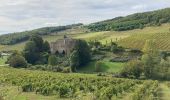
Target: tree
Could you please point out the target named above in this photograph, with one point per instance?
(46, 46)
(52, 60)
(17, 61)
(30, 52)
(131, 69)
(80, 55)
(38, 42)
(151, 57)
(74, 60)
(36, 50)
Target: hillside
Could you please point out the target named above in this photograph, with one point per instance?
(137, 28)
(130, 22)
(127, 39)
(134, 21)
(14, 38)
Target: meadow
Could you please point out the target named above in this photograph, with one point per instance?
(107, 67)
(3, 60)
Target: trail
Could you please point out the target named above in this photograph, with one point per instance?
(164, 92)
(4, 65)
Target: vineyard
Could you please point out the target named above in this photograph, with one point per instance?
(162, 40)
(78, 86)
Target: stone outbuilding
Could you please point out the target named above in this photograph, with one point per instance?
(63, 46)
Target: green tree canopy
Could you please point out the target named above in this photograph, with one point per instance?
(151, 57)
(38, 42)
(52, 60)
(46, 46)
(81, 54)
(30, 52)
(17, 61)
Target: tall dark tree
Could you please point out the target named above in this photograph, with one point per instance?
(46, 46)
(38, 42)
(81, 54)
(30, 52)
(36, 50)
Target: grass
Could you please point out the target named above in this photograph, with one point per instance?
(14, 93)
(3, 60)
(111, 67)
(164, 91)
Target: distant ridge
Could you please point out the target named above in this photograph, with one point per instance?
(13, 38)
(130, 22)
(134, 21)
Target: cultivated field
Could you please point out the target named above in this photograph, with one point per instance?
(41, 85)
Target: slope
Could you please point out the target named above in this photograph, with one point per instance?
(129, 39)
(134, 21)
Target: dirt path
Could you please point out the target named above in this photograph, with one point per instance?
(4, 65)
(164, 92)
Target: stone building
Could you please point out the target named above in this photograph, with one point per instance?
(63, 46)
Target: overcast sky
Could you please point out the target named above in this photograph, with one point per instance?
(21, 15)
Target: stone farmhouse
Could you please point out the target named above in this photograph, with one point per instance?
(63, 46)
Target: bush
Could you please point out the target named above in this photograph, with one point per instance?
(66, 70)
(98, 66)
(117, 49)
(65, 90)
(17, 61)
(52, 60)
(162, 71)
(132, 69)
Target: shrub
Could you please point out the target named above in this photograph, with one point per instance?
(132, 69)
(17, 61)
(66, 70)
(98, 66)
(52, 60)
(117, 49)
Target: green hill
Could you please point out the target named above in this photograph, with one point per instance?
(14, 38)
(129, 39)
(134, 21)
(156, 27)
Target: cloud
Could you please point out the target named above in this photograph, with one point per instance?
(20, 15)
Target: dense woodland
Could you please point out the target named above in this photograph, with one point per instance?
(134, 21)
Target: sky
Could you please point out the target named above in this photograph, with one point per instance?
(22, 15)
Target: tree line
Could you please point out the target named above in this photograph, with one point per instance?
(13, 38)
(134, 21)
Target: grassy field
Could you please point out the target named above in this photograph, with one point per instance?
(130, 39)
(3, 60)
(111, 67)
